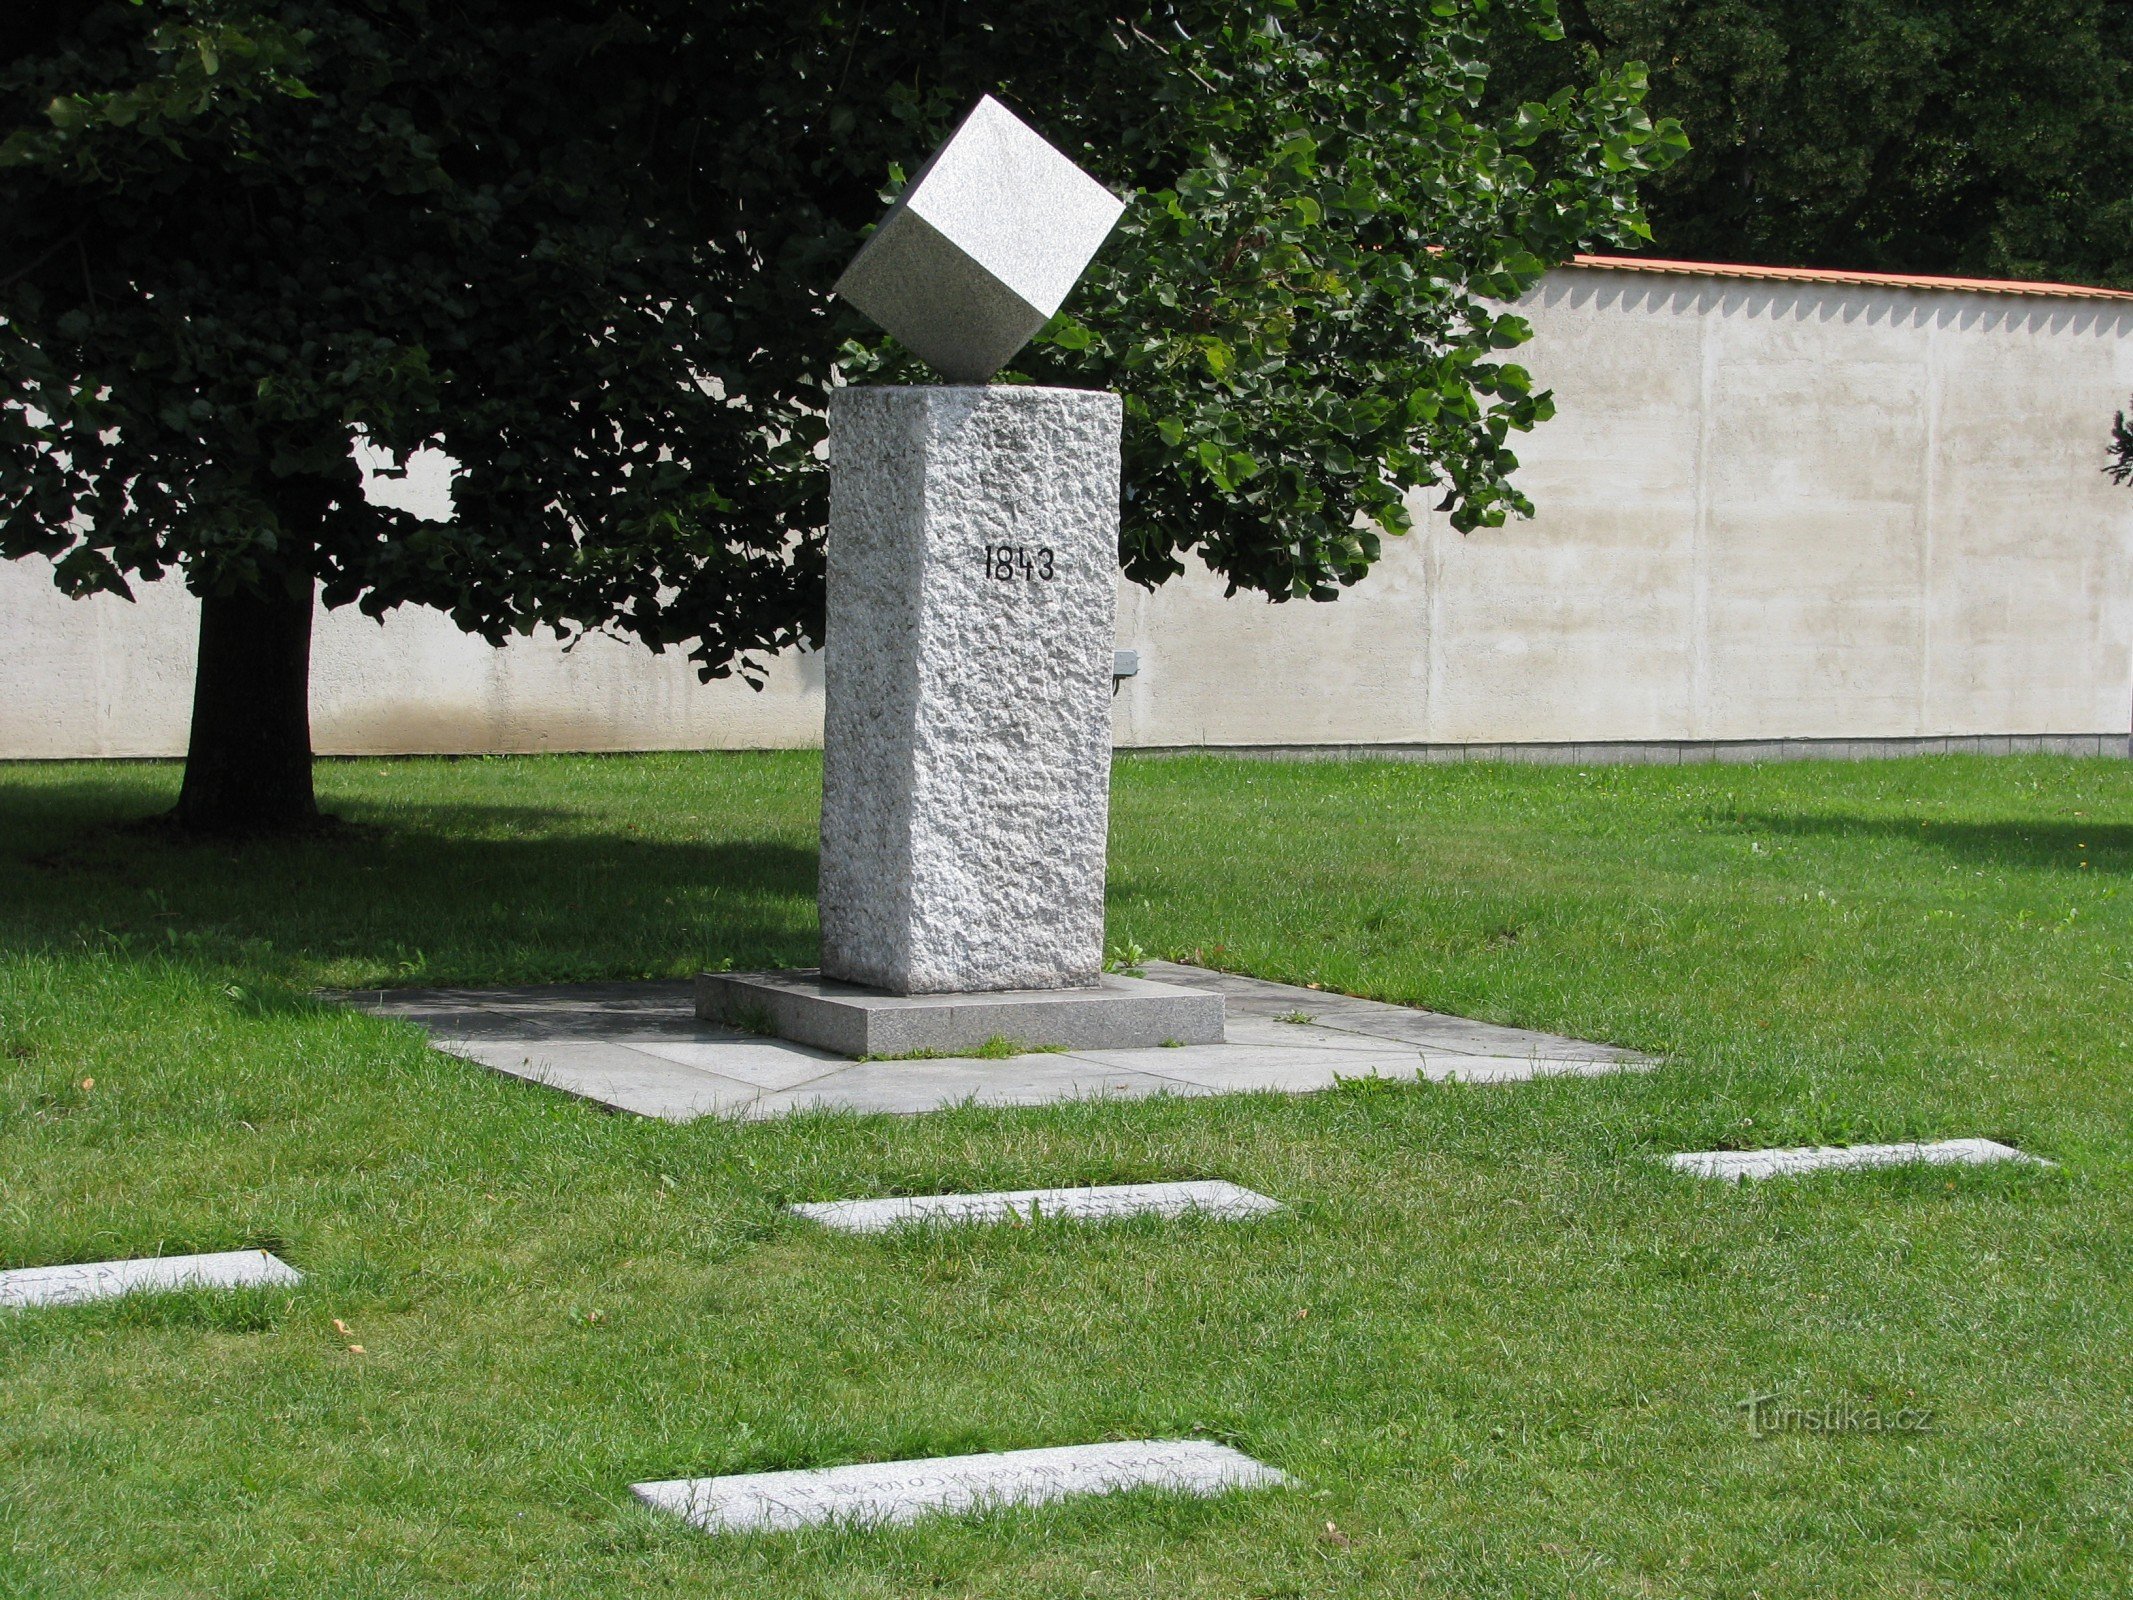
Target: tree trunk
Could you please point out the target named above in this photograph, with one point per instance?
(248, 765)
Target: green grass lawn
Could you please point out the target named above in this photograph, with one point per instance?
(1497, 1343)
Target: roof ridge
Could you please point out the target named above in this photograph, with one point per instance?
(1889, 280)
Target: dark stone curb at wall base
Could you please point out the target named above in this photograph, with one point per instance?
(1676, 752)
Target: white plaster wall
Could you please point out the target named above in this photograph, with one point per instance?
(1766, 510)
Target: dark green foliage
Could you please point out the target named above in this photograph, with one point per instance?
(585, 249)
(2121, 463)
(1892, 135)
(1303, 306)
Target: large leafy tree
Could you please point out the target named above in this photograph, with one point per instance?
(1893, 135)
(585, 248)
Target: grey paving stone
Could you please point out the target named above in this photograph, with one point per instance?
(771, 1064)
(104, 1280)
(1733, 1165)
(1374, 1019)
(1271, 1034)
(892, 1492)
(908, 1086)
(636, 1047)
(1243, 1068)
(1457, 1036)
(613, 1075)
(545, 1011)
(1094, 1203)
(1302, 1071)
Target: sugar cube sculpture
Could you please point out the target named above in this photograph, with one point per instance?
(982, 247)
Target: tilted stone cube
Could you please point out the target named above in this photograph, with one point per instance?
(981, 247)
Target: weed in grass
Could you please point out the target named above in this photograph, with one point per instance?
(1127, 959)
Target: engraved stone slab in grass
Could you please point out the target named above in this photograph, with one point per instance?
(889, 1492)
(1733, 1165)
(1095, 1203)
(105, 1280)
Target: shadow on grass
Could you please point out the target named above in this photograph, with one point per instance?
(435, 893)
(2107, 847)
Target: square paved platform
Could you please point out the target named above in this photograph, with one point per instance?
(639, 1047)
(853, 1020)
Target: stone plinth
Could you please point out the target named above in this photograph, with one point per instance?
(973, 546)
(854, 1020)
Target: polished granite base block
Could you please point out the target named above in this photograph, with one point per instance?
(853, 1020)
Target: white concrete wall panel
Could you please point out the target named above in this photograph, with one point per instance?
(2028, 616)
(1578, 624)
(1766, 510)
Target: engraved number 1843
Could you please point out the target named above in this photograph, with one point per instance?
(1007, 562)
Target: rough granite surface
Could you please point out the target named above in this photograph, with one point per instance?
(881, 1493)
(982, 246)
(1210, 1197)
(1733, 1165)
(104, 1280)
(967, 719)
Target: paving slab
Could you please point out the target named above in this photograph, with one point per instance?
(1210, 1197)
(1731, 1166)
(1260, 1030)
(614, 1075)
(890, 1492)
(770, 1064)
(1377, 1019)
(1305, 1069)
(639, 1047)
(651, 1010)
(1242, 1069)
(105, 1280)
(908, 1086)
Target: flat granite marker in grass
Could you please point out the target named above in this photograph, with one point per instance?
(883, 1493)
(1095, 1203)
(106, 1280)
(1734, 1165)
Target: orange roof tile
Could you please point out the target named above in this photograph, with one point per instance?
(1885, 280)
